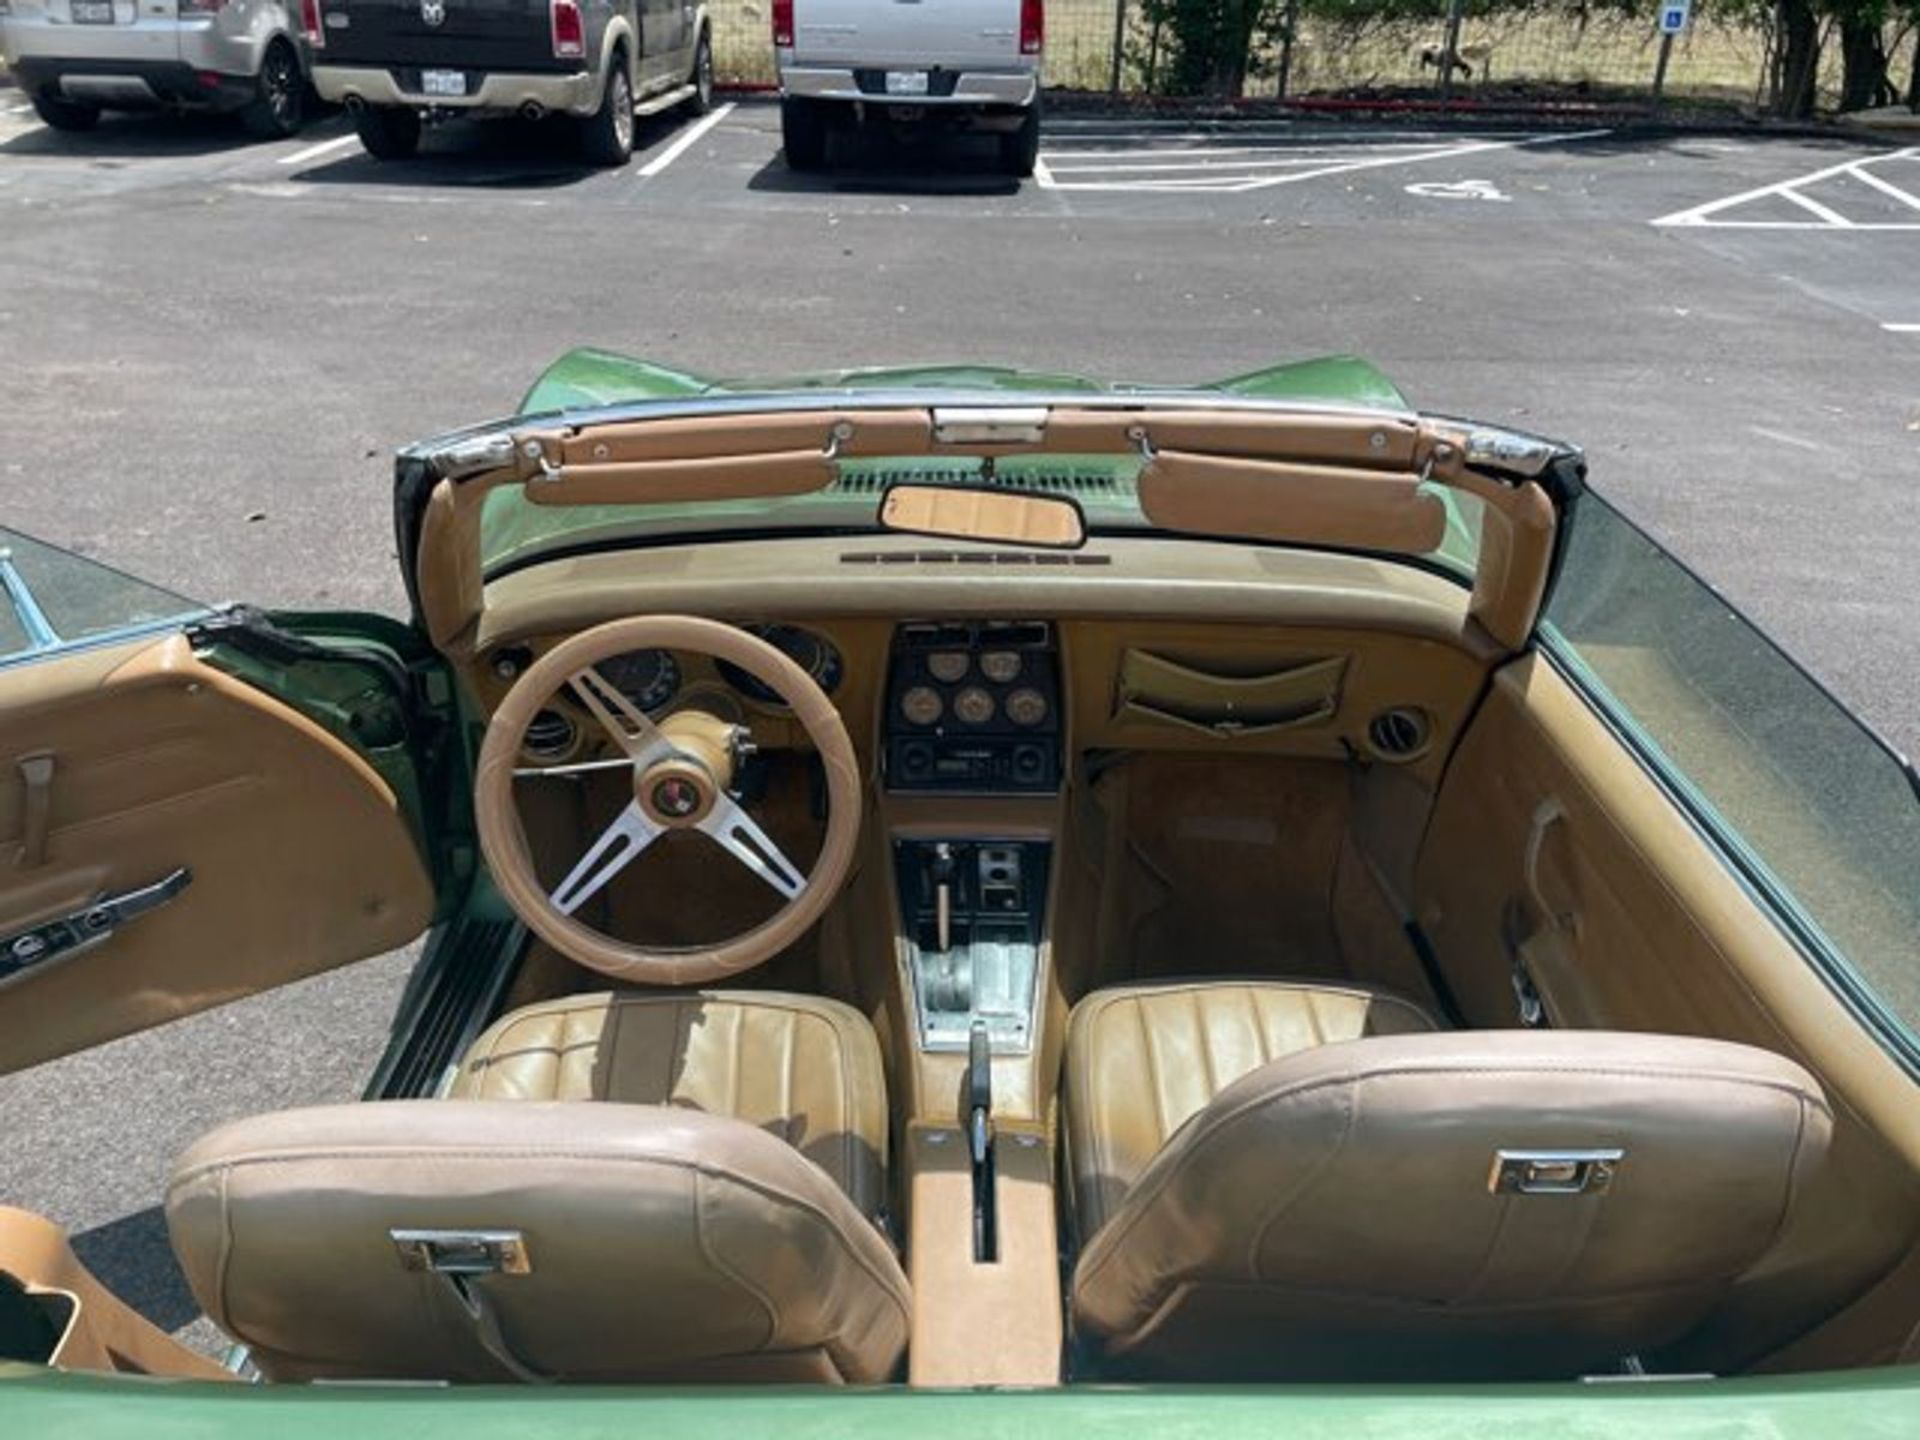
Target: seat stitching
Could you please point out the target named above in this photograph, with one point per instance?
(1153, 1072)
(1208, 1068)
(700, 1178)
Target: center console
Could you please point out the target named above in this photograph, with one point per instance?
(973, 914)
(972, 760)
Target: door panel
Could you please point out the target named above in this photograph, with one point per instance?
(1552, 844)
(299, 854)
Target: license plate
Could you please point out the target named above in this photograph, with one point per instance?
(93, 12)
(906, 82)
(443, 82)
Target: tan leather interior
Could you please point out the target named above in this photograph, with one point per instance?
(1336, 1212)
(1552, 848)
(802, 1068)
(299, 855)
(1143, 1060)
(659, 1242)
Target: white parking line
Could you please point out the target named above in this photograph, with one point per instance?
(16, 110)
(314, 152)
(680, 147)
(1717, 212)
(1901, 327)
(1062, 173)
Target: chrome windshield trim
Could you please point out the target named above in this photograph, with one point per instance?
(470, 451)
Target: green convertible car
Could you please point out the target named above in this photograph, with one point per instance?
(964, 902)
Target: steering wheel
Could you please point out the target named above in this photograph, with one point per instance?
(681, 770)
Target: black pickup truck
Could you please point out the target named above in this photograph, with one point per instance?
(398, 64)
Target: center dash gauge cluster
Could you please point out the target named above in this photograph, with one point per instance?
(973, 705)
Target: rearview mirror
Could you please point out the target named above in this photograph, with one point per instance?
(984, 512)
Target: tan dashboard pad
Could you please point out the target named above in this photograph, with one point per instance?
(1304, 504)
(768, 475)
(504, 840)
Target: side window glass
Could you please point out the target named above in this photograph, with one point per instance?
(51, 598)
(1822, 813)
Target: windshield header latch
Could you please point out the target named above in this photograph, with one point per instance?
(990, 424)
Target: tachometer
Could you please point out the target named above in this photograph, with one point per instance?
(649, 678)
(812, 653)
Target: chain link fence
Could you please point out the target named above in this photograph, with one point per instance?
(1386, 54)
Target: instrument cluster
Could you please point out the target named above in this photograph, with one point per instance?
(973, 705)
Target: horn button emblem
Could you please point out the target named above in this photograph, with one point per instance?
(675, 797)
(433, 12)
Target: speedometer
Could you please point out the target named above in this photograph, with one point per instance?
(812, 653)
(649, 678)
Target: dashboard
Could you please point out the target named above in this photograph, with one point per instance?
(973, 706)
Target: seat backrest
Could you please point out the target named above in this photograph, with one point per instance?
(1465, 1205)
(486, 1240)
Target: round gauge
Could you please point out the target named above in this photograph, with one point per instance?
(812, 653)
(1026, 706)
(649, 678)
(1000, 666)
(922, 705)
(947, 666)
(973, 705)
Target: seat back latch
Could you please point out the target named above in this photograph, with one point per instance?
(1553, 1172)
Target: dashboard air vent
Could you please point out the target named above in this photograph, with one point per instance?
(1400, 733)
(550, 736)
(1066, 480)
(1030, 559)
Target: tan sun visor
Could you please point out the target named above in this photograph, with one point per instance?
(736, 458)
(1302, 504)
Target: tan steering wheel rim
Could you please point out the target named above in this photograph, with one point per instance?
(503, 839)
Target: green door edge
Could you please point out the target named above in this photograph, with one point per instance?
(1859, 1405)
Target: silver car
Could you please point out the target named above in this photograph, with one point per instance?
(75, 58)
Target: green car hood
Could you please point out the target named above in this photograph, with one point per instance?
(583, 379)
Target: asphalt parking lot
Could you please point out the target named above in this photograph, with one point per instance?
(210, 347)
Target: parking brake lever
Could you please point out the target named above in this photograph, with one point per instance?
(986, 1238)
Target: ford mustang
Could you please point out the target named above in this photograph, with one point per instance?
(950, 890)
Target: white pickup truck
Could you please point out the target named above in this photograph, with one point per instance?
(973, 63)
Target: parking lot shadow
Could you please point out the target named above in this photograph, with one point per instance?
(506, 154)
(876, 163)
(133, 1258)
(137, 135)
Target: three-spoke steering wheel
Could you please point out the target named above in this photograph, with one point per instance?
(681, 769)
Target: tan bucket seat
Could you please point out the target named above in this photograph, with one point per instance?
(1405, 1204)
(713, 1223)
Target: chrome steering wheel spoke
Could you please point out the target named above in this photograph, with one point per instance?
(625, 722)
(629, 834)
(741, 836)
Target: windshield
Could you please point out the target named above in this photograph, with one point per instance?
(514, 531)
